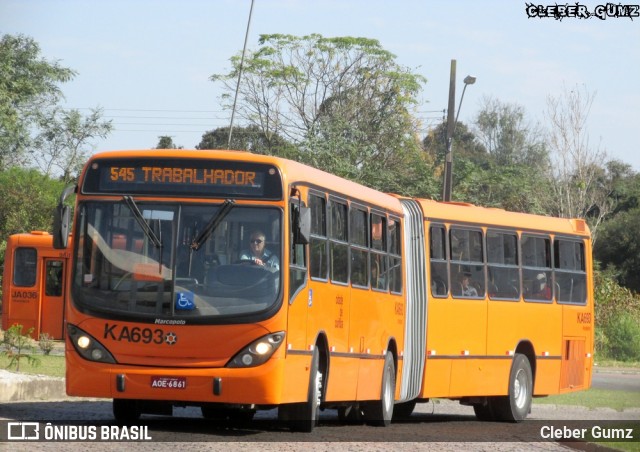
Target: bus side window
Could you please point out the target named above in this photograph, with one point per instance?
(438, 258)
(395, 256)
(467, 261)
(358, 239)
(569, 270)
(536, 268)
(338, 242)
(25, 266)
(379, 264)
(503, 269)
(53, 284)
(318, 243)
(298, 264)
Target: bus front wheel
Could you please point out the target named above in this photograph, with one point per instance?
(303, 417)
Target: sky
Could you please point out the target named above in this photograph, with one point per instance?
(147, 63)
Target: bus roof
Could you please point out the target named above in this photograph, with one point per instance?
(292, 172)
(298, 173)
(496, 217)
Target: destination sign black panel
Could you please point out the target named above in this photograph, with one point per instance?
(183, 177)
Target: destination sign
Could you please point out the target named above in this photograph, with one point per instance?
(183, 177)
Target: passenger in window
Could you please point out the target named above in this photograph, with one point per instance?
(467, 289)
(258, 254)
(541, 288)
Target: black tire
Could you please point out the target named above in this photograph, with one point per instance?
(380, 412)
(516, 405)
(403, 410)
(303, 417)
(126, 410)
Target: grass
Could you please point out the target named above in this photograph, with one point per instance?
(595, 398)
(50, 365)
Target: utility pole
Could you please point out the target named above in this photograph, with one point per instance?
(235, 98)
(452, 122)
(448, 162)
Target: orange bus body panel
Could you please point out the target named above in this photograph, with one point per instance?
(29, 304)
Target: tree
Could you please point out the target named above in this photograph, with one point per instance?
(28, 85)
(508, 137)
(582, 185)
(343, 102)
(59, 149)
(28, 200)
(618, 247)
(166, 142)
(250, 138)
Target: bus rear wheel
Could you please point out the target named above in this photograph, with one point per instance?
(380, 412)
(516, 405)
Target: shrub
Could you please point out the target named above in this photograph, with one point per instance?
(17, 346)
(46, 343)
(623, 337)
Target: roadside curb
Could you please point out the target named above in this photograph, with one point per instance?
(16, 387)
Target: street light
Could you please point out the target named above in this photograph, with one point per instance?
(451, 127)
(468, 80)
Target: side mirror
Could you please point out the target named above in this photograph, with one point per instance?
(61, 220)
(303, 226)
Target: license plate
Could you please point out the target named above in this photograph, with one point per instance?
(169, 382)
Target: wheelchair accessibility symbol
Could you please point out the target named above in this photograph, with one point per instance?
(184, 301)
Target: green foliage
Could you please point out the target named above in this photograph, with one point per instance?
(617, 320)
(166, 142)
(252, 138)
(28, 84)
(618, 247)
(28, 199)
(343, 103)
(623, 337)
(595, 398)
(17, 346)
(60, 145)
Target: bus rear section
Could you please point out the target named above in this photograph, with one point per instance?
(510, 310)
(33, 285)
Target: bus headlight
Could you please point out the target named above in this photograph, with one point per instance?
(87, 346)
(258, 352)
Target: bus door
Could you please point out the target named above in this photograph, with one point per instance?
(52, 303)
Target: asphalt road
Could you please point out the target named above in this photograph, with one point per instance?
(617, 379)
(433, 424)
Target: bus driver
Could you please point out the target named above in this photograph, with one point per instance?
(258, 254)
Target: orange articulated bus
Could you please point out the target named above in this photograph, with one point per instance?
(237, 282)
(33, 284)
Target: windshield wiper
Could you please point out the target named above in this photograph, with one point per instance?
(215, 221)
(142, 222)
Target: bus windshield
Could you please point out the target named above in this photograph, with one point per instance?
(189, 263)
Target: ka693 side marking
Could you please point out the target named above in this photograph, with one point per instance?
(136, 334)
